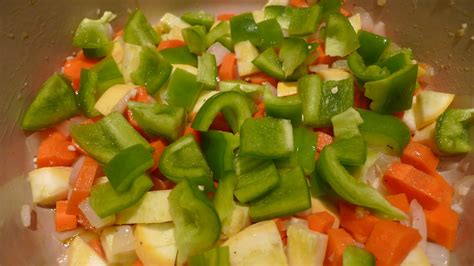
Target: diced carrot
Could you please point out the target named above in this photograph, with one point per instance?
(338, 240)
(72, 68)
(138, 262)
(404, 178)
(78, 148)
(64, 221)
(158, 148)
(442, 224)
(420, 157)
(357, 221)
(190, 130)
(225, 16)
(82, 187)
(228, 68)
(261, 78)
(129, 116)
(166, 44)
(117, 34)
(97, 247)
(447, 189)
(141, 96)
(390, 242)
(281, 225)
(400, 201)
(360, 101)
(320, 221)
(220, 123)
(260, 110)
(399, 115)
(56, 150)
(323, 140)
(345, 12)
(299, 3)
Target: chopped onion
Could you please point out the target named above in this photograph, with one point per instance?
(463, 186)
(124, 241)
(377, 170)
(379, 28)
(341, 64)
(92, 216)
(418, 221)
(298, 221)
(76, 167)
(451, 176)
(33, 142)
(65, 235)
(437, 255)
(65, 126)
(319, 67)
(26, 215)
(122, 104)
(219, 51)
(367, 23)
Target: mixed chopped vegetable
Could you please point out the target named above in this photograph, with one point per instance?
(294, 134)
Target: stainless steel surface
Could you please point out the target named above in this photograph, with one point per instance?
(35, 37)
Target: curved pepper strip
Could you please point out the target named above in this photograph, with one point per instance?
(365, 73)
(218, 148)
(288, 107)
(139, 31)
(94, 36)
(372, 46)
(197, 225)
(452, 131)
(352, 190)
(234, 106)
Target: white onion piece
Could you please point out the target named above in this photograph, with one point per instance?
(418, 221)
(65, 235)
(124, 241)
(65, 126)
(26, 215)
(379, 28)
(92, 216)
(317, 68)
(451, 176)
(219, 51)
(367, 23)
(437, 255)
(298, 221)
(76, 167)
(33, 142)
(377, 170)
(463, 186)
(122, 104)
(341, 64)
(272, 88)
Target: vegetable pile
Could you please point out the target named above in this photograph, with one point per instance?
(290, 135)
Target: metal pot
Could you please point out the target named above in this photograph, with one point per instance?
(36, 37)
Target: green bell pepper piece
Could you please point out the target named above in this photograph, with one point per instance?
(108, 74)
(87, 94)
(159, 119)
(243, 27)
(319, 186)
(198, 18)
(309, 89)
(183, 89)
(254, 178)
(288, 107)
(207, 71)
(106, 138)
(274, 11)
(253, 91)
(306, 144)
(138, 30)
(395, 93)
(179, 55)
(267, 138)
(272, 35)
(153, 70)
(106, 201)
(346, 124)
(195, 39)
(328, 7)
(222, 30)
(184, 160)
(304, 21)
(218, 149)
(289, 197)
(224, 197)
(352, 190)
(269, 63)
(54, 103)
(365, 73)
(233, 105)
(452, 131)
(372, 46)
(293, 53)
(127, 166)
(94, 36)
(218, 256)
(397, 61)
(355, 256)
(227, 42)
(341, 39)
(197, 225)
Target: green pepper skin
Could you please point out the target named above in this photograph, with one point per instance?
(309, 89)
(179, 55)
(372, 46)
(106, 201)
(153, 70)
(306, 145)
(341, 39)
(86, 96)
(397, 61)
(207, 71)
(319, 186)
(106, 138)
(54, 103)
(197, 225)
(234, 106)
(224, 197)
(304, 21)
(288, 107)
(243, 27)
(195, 39)
(183, 159)
(218, 149)
(272, 35)
(328, 7)
(183, 89)
(220, 31)
(289, 197)
(198, 18)
(293, 53)
(138, 30)
(352, 190)
(218, 256)
(269, 63)
(158, 119)
(253, 91)
(95, 36)
(395, 93)
(355, 256)
(365, 73)
(108, 74)
(452, 131)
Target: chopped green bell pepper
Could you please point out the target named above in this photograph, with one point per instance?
(346, 124)
(106, 201)
(365, 73)
(183, 89)
(452, 131)
(224, 197)
(179, 55)
(329, 6)
(372, 46)
(218, 256)
(184, 160)
(394, 93)
(309, 89)
(198, 18)
(397, 61)
(106, 138)
(153, 70)
(293, 53)
(319, 186)
(197, 225)
(94, 36)
(306, 144)
(356, 256)
(289, 197)
(304, 21)
(253, 91)
(159, 119)
(222, 30)
(272, 35)
(218, 149)
(87, 94)
(274, 11)
(127, 166)
(288, 107)
(341, 39)
(352, 190)
(233, 105)
(138, 30)
(207, 71)
(243, 27)
(267, 138)
(108, 74)
(195, 38)
(269, 63)
(54, 103)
